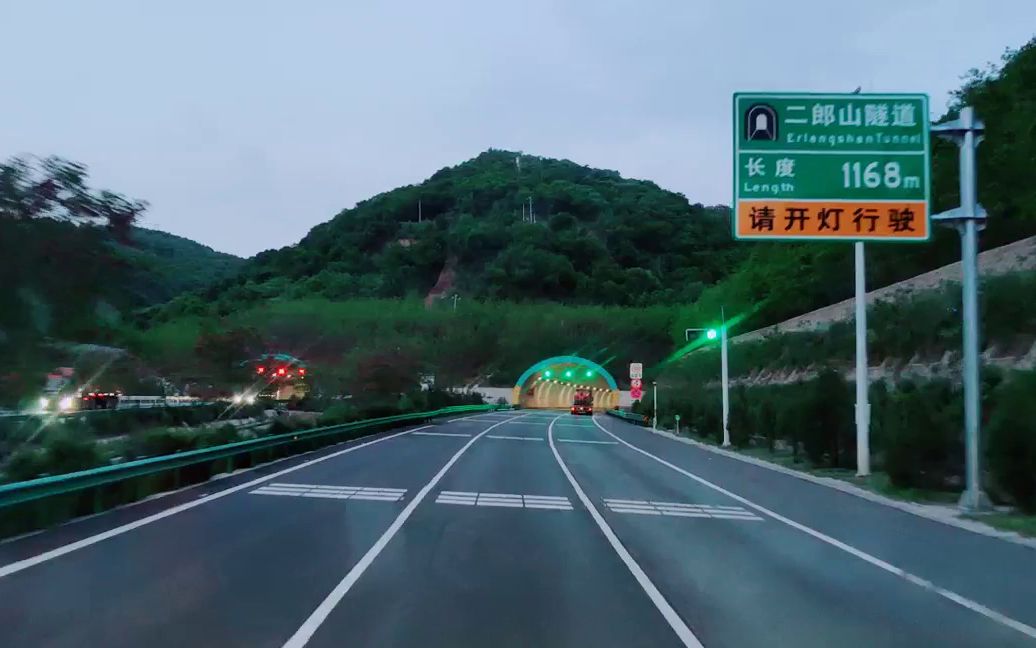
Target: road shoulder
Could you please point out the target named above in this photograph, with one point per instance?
(938, 513)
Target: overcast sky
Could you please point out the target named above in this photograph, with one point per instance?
(245, 123)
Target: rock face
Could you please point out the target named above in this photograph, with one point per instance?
(444, 284)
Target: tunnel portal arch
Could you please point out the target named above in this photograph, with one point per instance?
(551, 383)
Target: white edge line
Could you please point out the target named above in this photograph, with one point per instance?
(314, 621)
(675, 622)
(877, 562)
(17, 566)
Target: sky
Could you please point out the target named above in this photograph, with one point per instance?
(246, 123)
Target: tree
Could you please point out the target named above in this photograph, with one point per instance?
(56, 188)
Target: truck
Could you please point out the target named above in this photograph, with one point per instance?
(583, 402)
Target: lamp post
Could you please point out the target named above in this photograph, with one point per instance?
(712, 334)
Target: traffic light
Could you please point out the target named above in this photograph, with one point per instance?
(712, 334)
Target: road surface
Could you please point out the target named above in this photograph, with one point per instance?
(514, 529)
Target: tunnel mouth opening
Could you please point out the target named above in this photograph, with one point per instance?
(553, 383)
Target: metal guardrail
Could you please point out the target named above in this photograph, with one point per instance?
(639, 419)
(34, 489)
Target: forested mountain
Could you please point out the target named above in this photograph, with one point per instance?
(592, 237)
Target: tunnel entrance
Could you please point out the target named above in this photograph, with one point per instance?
(553, 383)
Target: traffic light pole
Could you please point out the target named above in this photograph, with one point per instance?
(966, 132)
(723, 371)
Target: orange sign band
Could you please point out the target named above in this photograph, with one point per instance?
(850, 220)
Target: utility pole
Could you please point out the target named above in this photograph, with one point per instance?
(419, 211)
(863, 407)
(966, 132)
(455, 298)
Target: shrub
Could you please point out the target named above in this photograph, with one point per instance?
(827, 431)
(921, 429)
(1012, 439)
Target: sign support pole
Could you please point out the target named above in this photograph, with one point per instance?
(966, 131)
(863, 407)
(654, 405)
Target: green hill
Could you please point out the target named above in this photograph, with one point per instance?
(167, 265)
(597, 238)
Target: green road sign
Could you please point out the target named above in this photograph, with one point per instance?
(831, 166)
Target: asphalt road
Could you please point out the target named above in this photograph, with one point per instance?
(514, 529)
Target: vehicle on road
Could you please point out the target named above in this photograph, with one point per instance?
(276, 377)
(583, 402)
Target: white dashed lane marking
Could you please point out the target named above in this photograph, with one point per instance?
(512, 438)
(677, 509)
(332, 492)
(449, 434)
(587, 441)
(506, 500)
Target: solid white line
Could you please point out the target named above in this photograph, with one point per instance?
(512, 438)
(877, 562)
(313, 622)
(675, 622)
(585, 441)
(19, 565)
(446, 434)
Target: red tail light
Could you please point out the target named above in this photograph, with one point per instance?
(260, 370)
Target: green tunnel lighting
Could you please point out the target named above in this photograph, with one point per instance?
(589, 373)
(568, 374)
(548, 373)
(711, 333)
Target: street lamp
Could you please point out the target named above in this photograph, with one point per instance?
(712, 334)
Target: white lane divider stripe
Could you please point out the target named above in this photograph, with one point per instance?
(444, 434)
(333, 492)
(675, 622)
(974, 606)
(17, 566)
(586, 441)
(313, 622)
(512, 438)
(680, 509)
(507, 500)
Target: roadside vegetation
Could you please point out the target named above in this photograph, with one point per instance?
(916, 430)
